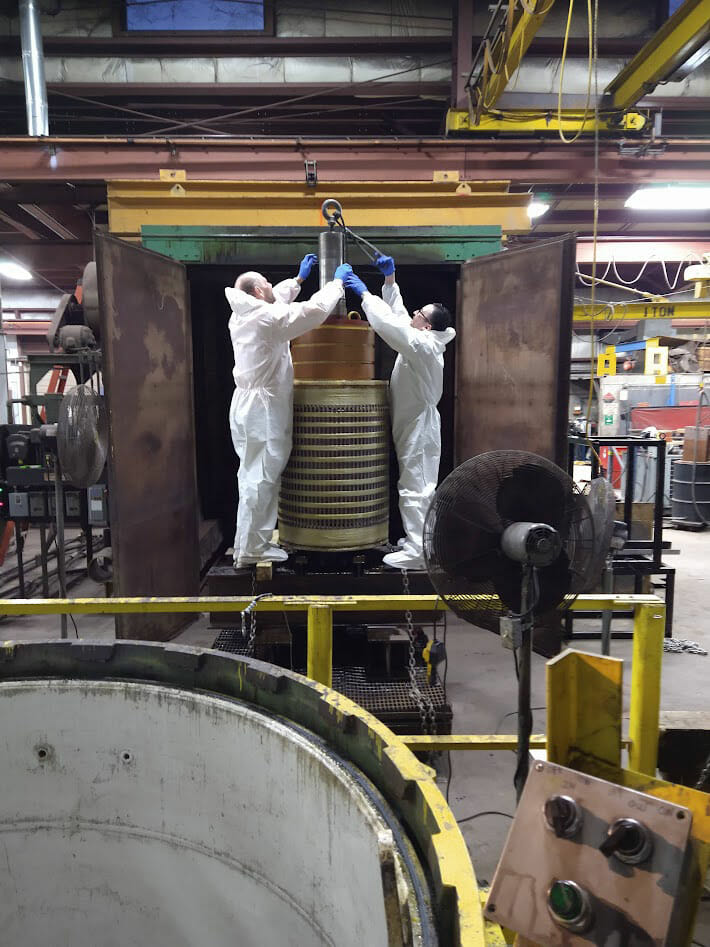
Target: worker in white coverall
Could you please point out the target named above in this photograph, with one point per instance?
(264, 320)
(415, 390)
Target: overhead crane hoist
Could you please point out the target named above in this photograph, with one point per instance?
(679, 47)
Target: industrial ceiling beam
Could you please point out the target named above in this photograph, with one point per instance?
(64, 221)
(10, 217)
(374, 159)
(505, 54)
(227, 45)
(678, 40)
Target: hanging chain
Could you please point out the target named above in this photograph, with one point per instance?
(424, 704)
(250, 613)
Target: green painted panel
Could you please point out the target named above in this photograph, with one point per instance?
(237, 246)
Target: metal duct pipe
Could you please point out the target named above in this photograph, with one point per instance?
(330, 256)
(33, 69)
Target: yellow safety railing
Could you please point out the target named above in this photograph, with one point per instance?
(648, 616)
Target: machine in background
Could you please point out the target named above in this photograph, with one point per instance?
(53, 472)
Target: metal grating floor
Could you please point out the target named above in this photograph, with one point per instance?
(390, 701)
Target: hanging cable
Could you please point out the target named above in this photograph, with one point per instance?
(594, 39)
(591, 32)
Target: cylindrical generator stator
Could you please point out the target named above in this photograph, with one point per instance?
(335, 489)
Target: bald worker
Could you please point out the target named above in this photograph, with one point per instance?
(264, 320)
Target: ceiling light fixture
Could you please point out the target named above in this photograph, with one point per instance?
(537, 209)
(53, 156)
(673, 198)
(14, 270)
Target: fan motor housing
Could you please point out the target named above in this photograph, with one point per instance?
(535, 544)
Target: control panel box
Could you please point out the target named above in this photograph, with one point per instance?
(39, 504)
(590, 862)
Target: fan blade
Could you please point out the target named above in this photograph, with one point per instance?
(601, 501)
(554, 582)
(507, 577)
(531, 494)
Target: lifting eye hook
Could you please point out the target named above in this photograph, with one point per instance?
(331, 211)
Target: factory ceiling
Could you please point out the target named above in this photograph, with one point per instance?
(362, 91)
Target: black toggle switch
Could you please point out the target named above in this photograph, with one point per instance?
(563, 816)
(628, 840)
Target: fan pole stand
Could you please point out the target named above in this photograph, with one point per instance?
(524, 668)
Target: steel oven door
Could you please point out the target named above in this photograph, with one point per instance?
(147, 365)
(513, 351)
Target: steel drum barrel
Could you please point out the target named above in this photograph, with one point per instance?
(173, 811)
(682, 505)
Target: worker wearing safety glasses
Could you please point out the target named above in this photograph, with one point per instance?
(415, 390)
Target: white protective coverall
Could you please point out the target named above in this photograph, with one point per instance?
(415, 391)
(261, 413)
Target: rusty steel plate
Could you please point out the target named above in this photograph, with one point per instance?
(147, 363)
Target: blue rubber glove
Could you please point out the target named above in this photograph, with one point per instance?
(354, 284)
(385, 264)
(342, 271)
(307, 264)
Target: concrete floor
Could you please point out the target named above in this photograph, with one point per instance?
(481, 687)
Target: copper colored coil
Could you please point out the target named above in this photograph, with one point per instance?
(334, 371)
(335, 489)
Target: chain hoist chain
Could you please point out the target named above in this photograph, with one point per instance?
(424, 705)
(703, 783)
(250, 613)
(682, 645)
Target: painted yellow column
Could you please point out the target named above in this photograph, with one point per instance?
(649, 627)
(320, 644)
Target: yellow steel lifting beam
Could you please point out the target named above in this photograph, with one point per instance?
(253, 204)
(519, 122)
(678, 39)
(633, 311)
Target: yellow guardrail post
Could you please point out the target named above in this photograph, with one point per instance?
(320, 644)
(649, 628)
(584, 699)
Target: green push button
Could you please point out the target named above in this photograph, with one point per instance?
(569, 905)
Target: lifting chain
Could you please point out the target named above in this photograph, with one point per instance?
(250, 613)
(703, 783)
(680, 645)
(423, 702)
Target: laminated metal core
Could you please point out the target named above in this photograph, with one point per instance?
(335, 489)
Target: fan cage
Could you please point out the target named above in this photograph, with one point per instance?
(469, 513)
(82, 436)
